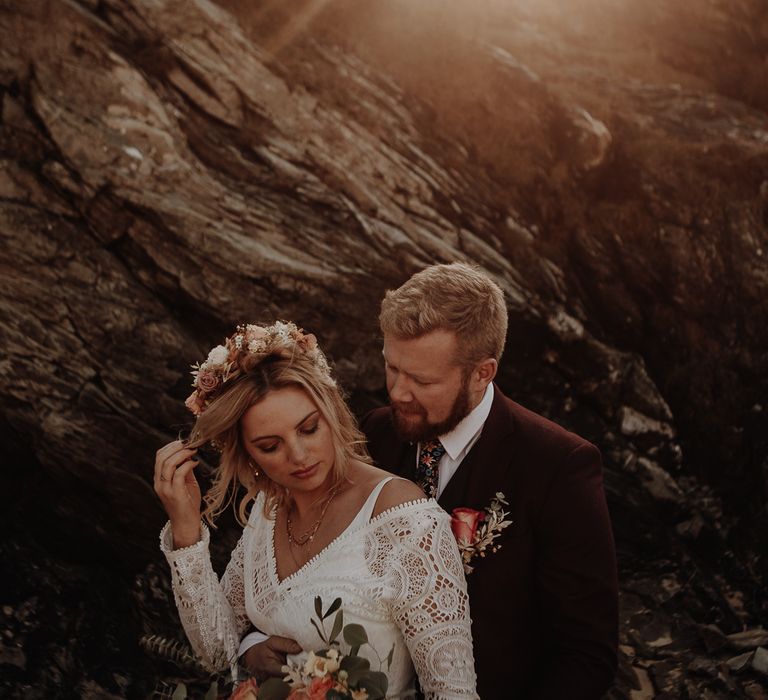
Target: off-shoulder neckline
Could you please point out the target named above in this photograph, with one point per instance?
(349, 530)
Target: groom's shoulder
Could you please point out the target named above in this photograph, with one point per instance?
(537, 431)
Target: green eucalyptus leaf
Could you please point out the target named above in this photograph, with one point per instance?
(273, 689)
(355, 635)
(338, 623)
(317, 627)
(354, 664)
(335, 605)
(319, 606)
(180, 693)
(353, 679)
(390, 656)
(376, 684)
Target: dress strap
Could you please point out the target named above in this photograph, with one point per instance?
(366, 511)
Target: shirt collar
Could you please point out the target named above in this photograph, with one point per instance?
(456, 441)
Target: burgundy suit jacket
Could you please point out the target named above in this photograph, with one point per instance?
(545, 606)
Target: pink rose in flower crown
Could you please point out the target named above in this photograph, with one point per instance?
(194, 404)
(254, 332)
(207, 381)
(464, 523)
(307, 342)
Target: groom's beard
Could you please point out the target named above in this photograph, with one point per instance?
(411, 418)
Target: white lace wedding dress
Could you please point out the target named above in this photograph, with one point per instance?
(399, 574)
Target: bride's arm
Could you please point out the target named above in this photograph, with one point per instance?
(432, 609)
(211, 611)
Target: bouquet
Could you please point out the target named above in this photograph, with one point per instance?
(327, 674)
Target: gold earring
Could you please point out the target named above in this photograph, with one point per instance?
(254, 467)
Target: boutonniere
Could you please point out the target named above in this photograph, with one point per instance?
(475, 530)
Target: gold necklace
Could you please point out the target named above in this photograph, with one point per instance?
(309, 535)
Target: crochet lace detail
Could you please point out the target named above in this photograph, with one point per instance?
(212, 613)
(400, 575)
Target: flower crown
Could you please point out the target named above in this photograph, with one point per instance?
(242, 351)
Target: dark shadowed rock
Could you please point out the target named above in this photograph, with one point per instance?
(713, 637)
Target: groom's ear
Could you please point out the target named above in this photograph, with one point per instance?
(484, 372)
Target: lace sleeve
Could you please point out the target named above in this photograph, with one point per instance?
(212, 612)
(431, 606)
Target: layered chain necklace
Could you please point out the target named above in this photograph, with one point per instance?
(309, 535)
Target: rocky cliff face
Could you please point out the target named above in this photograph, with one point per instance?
(168, 169)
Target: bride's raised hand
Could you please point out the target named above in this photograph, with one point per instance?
(179, 492)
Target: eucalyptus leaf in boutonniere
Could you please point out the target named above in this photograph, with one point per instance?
(475, 530)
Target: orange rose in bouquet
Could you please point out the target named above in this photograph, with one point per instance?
(247, 690)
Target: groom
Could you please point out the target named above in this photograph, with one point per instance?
(544, 606)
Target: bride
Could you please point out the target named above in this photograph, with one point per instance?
(323, 521)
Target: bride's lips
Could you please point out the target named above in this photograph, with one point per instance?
(306, 472)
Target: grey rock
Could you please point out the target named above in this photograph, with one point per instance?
(13, 656)
(90, 690)
(748, 639)
(690, 529)
(737, 664)
(760, 661)
(703, 666)
(755, 691)
(659, 482)
(633, 423)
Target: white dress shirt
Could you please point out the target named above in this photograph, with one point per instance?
(459, 441)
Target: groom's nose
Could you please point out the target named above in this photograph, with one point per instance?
(400, 389)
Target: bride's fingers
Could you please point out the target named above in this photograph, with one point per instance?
(162, 455)
(183, 474)
(168, 449)
(190, 477)
(173, 461)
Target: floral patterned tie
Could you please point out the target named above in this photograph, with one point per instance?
(426, 470)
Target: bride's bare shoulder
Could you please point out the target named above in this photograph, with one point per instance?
(395, 493)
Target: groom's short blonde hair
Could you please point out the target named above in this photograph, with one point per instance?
(455, 297)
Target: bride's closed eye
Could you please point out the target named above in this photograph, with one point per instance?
(304, 430)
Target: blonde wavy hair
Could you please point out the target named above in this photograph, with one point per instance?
(454, 297)
(219, 425)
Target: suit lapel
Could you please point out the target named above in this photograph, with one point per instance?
(406, 460)
(481, 473)
(394, 455)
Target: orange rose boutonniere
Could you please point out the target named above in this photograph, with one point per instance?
(475, 530)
